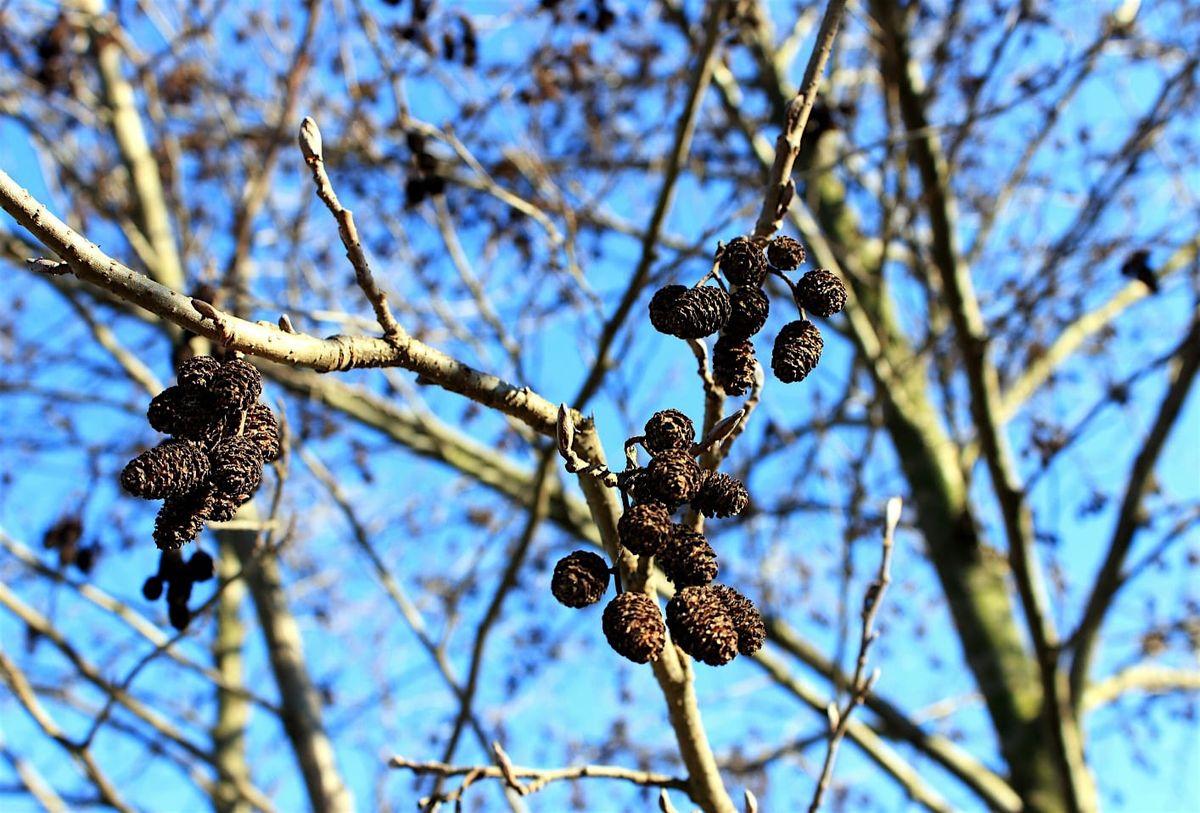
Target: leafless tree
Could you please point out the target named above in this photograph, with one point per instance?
(429, 224)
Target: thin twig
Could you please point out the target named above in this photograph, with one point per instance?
(860, 684)
(311, 148)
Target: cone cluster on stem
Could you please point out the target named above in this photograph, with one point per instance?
(740, 312)
(212, 463)
(711, 622)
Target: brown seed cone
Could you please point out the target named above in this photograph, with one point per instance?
(689, 560)
(636, 485)
(785, 253)
(673, 477)
(797, 351)
(181, 518)
(747, 620)
(201, 567)
(236, 385)
(691, 314)
(262, 428)
(662, 308)
(634, 627)
(179, 615)
(820, 292)
(748, 309)
(225, 506)
(701, 626)
(197, 372)
(172, 467)
(236, 468)
(183, 411)
(742, 262)
(669, 429)
(733, 364)
(721, 496)
(579, 579)
(645, 529)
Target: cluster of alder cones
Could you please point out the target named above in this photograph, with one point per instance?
(711, 622)
(178, 576)
(221, 436)
(740, 313)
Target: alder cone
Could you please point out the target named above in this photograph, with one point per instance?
(721, 496)
(179, 615)
(820, 292)
(742, 262)
(183, 411)
(701, 625)
(692, 313)
(236, 385)
(172, 467)
(797, 351)
(645, 529)
(152, 588)
(733, 365)
(262, 429)
(579, 579)
(747, 620)
(634, 627)
(181, 519)
(663, 308)
(201, 567)
(197, 372)
(689, 560)
(673, 477)
(785, 253)
(669, 429)
(236, 467)
(748, 309)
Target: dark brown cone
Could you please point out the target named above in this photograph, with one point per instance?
(636, 485)
(201, 567)
(701, 626)
(236, 385)
(580, 579)
(181, 518)
(183, 411)
(733, 365)
(820, 292)
(197, 372)
(748, 309)
(225, 506)
(797, 351)
(236, 468)
(645, 529)
(662, 308)
(673, 477)
(179, 615)
(785, 253)
(634, 627)
(747, 620)
(689, 560)
(692, 314)
(172, 467)
(721, 496)
(742, 262)
(261, 428)
(669, 429)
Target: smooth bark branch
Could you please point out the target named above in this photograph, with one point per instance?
(1142, 677)
(1108, 580)
(780, 187)
(233, 712)
(92, 265)
(134, 148)
(983, 381)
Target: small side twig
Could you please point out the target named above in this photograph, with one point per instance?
(861, 684)
(538, 778)
(311, 148)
